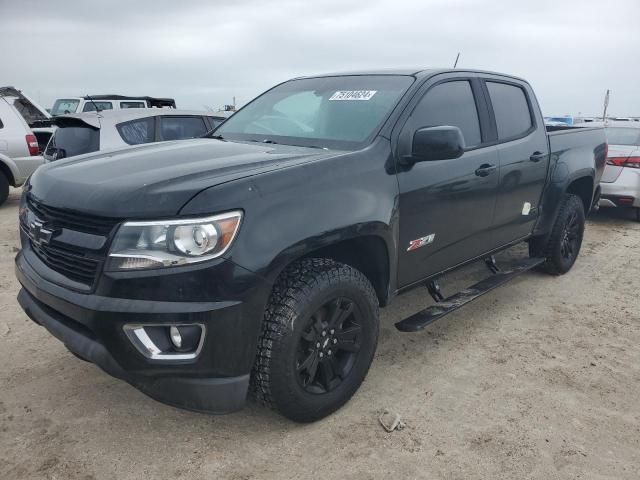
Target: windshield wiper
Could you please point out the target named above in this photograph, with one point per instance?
(215, 137)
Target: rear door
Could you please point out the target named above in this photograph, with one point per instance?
(446, 206)
(523, 153)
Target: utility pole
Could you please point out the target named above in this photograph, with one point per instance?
(606, 104)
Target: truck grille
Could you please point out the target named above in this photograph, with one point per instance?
(80, 222)
(79, 262)
(75, 267)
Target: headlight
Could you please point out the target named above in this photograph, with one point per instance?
(167, 243)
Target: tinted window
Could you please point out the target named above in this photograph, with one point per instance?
(511, 109)
(62, 106)
(137, 131)
(70, 141)
(333, 112)
(91, 106)
(178, 128)
(623, 136)
(450, 103)
(132, 105)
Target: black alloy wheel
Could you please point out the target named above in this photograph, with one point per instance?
(328, 348)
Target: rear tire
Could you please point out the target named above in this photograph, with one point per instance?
(320, 332)
(4, 188)
(562, 246)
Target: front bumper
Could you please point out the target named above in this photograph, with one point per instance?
(91, 326)
(625, 186)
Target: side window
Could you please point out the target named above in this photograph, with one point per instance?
(91, 106)
(511, 109)
(137, 131)
(132, 105)
(450, 103)
(178, 128)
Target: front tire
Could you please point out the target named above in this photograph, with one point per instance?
(319, 336)
(562, 246)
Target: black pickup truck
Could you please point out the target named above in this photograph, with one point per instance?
(255, 260)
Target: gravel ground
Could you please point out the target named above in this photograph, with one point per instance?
(538, 379)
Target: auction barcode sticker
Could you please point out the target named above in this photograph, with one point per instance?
(353, 95)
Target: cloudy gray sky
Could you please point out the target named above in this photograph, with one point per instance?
(205, 52)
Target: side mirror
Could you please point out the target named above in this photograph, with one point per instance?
(437, 143)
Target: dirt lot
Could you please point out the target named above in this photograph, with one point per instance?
(539, 379)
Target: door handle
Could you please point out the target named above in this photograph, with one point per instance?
(537, 156)
(485, 169)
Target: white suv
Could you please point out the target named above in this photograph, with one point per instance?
(92, 103)
(19, 150)
(81, 133)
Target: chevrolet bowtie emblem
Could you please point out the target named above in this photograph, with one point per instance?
(38, 234)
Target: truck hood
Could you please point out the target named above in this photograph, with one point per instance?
(156, 180)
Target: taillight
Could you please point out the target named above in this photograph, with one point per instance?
(631, 162)
(32, 143)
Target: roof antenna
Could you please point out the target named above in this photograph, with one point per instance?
(94, 104)
(455, 64)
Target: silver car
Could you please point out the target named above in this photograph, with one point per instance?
(82, 133)
(19, 149)
(620, 183)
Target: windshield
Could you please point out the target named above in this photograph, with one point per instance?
(62, 106)
(330, 112)
(623, 136)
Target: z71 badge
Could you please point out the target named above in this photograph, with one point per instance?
(421, 242)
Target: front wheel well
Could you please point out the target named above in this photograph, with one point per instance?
(368, 254)
(583, 188)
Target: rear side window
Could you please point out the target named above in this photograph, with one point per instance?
(132, 105)
(91, 106)
(137, 131)
(71, 141)
(511, 109)
(178, 128)
(450, 103)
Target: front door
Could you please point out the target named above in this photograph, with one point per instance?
(446, 206)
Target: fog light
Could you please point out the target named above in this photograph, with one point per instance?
(167, 342)
(176, 338)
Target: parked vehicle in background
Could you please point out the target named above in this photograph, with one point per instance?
(620, 182)
(36, 117)
(565, 119)
(19, 151)
(91, 103)
(81, 133)
(257, 258)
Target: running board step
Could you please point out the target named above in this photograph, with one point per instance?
(430, 314)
